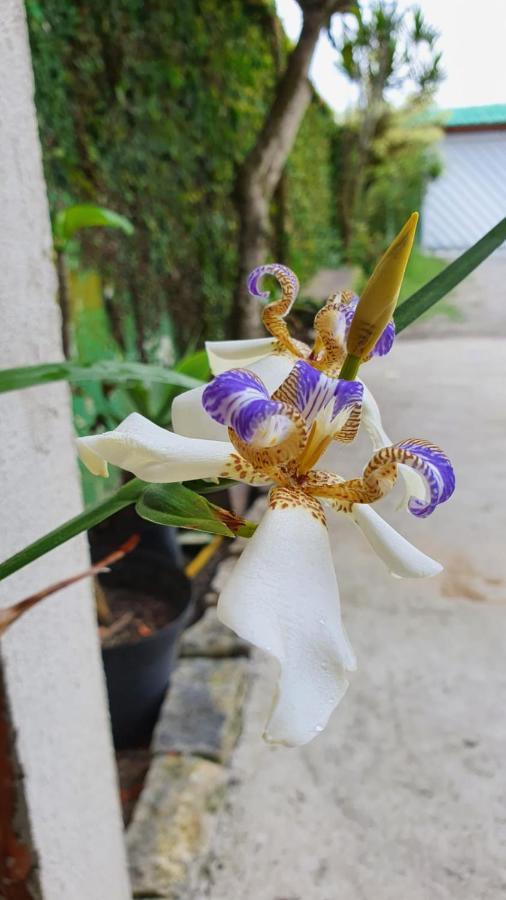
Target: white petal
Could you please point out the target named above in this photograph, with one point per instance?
(152, 453)
(400, 557)
(371, 421)
(189, 416)
(225, 355)
(273, 369)
(283, 597)
(414, 485)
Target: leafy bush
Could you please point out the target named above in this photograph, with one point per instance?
(147, 109)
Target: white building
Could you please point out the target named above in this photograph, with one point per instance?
(469, 198)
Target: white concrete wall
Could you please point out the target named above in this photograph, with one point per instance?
(469, 198)
(54, 674)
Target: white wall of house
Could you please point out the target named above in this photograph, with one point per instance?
(52, 660)
(469, 197)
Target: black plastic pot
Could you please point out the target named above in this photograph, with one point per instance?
(138, 674)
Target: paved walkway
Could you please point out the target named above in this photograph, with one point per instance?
(478, 305)
(403, 797)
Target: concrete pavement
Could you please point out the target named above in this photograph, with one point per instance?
(403, 797)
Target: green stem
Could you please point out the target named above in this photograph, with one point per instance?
(350, 367)
(126, 495)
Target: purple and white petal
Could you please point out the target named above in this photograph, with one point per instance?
(188, 414)
(311, 391)
(413, 483)
(386, 340)
(239, 399)
(283, 275)
(436, 470)
(347, 394)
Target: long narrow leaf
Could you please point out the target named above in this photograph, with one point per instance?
(86, 215)
(442, 284)
(108, 371)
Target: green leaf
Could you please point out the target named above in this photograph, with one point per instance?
(173, 504)
(86, 215)
(194, 364)
(113, 371)
(442, 284)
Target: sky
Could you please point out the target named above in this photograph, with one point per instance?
(473, 43)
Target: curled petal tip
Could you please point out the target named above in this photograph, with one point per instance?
(281, 273)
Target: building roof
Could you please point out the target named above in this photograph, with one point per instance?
(476, 116)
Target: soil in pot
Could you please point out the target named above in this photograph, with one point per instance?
(133, 616)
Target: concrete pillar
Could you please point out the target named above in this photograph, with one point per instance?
(51, 660)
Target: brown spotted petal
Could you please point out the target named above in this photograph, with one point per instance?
(330, 325)
(380, 475)
(275, 312)
(279, 441)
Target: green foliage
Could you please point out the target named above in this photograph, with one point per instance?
(311, 220)
(383, 48)
(109, 371)
(383, 157)
(167, 504)
(400, 162)
(148, 111)
(86, 215)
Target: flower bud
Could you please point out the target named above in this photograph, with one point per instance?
(379, 297)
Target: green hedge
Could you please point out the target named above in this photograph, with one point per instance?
(147, 106)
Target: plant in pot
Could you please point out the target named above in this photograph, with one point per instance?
(282, 595)
(145, 600)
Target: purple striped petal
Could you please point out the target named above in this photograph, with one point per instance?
(239, 399)
(436, 469)
(310, 391)
(347, 393)
(384, 343)
(279, 272)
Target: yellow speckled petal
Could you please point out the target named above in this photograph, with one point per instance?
(414, 485)
(274, 313)
(380, 475)
(239, 469)
(280, 442)
(330, 346)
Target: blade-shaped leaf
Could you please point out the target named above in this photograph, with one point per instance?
(115, 372)
(86, 215)
(173, 504)
(442, 284)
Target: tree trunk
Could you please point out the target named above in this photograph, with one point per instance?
(261, 171)
(64, 301)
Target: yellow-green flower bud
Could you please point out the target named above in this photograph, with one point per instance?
(379, 297)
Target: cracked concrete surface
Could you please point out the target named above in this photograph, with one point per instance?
(403, 797)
